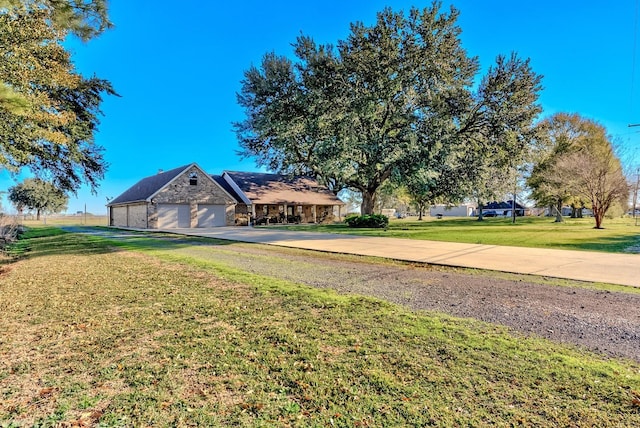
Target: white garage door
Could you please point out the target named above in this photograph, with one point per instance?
(172, 216)
(211, 215)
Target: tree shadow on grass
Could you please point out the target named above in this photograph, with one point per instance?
(610, 244)
(48, 241)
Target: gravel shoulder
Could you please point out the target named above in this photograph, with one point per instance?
(606, 322)
(602, 321)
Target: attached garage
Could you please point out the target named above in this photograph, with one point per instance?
(183, 197)
(212, 215)
(172, 216)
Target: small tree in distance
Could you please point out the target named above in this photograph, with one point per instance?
(597, 177)
(577, 162)
(38, 195)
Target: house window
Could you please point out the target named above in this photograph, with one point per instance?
(193, 179)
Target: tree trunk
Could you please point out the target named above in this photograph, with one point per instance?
(420, 210)
(598, 215)
(368, 202)
(480, 207)
(37, 215)
(559, 218)
(574, 211)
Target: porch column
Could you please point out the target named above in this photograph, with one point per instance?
(253, 214)
(286, 216)
(313, 213)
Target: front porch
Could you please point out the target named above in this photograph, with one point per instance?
(264, 214)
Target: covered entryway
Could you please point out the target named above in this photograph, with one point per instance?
(212, 215)
(171, 216)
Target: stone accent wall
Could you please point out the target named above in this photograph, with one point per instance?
(241, 215)
(230, 214)
(181, 191)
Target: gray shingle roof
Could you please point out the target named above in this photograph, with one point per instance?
(146, 187)
(223, 183)
(263, 188)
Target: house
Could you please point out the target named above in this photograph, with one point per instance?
(188, 197)
(182, 197)
(502, 209)
(275, 198)
(464, 210)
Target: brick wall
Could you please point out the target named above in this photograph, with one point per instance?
(181, 191)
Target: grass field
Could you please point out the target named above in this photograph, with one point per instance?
(146, 336)
(619, 235)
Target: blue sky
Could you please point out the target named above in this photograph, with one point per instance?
(178, 67)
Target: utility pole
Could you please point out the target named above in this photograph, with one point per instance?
(635, 196)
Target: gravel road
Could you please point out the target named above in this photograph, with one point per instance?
(602, 321)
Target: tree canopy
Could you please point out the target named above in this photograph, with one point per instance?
(577, 161)
(38, 195)
(390, 100)
(49, 113)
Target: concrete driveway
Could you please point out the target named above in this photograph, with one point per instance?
(623, 269)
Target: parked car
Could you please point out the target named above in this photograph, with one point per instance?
(490, 213)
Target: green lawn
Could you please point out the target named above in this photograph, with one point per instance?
(619, 235)
(148, 336)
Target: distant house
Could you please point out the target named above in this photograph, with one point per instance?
(183, 197)
(269, 198)
(188, 197)
(502, 209)
(464, 210)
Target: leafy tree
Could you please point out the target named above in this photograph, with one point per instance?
(594, 173)
(429, 186)
(384, 102)
(38, 195)
(577, 164)
(49, 112)
(557, 136)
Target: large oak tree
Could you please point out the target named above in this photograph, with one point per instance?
(49, 112)
(391, 99)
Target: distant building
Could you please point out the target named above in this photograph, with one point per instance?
(503, 209)
(464, 210)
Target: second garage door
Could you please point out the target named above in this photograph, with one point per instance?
(211, 215)
(171, 216)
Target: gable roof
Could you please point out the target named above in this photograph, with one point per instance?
(503, 206)
(261, 188)
(227, 187)
(144, 189)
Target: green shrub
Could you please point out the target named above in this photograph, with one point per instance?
(368, 220)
